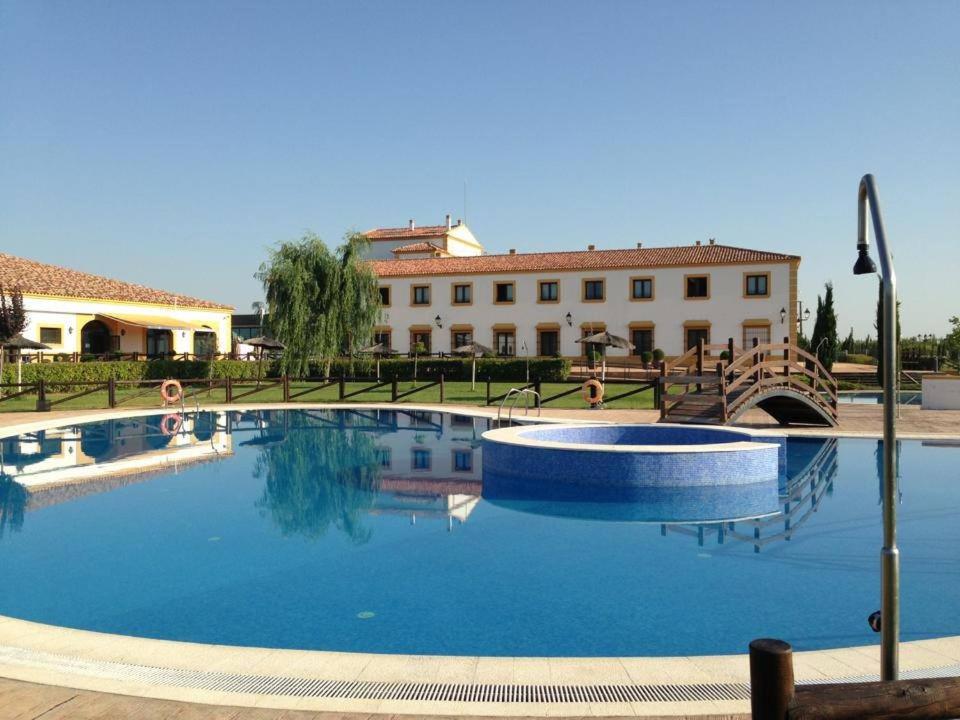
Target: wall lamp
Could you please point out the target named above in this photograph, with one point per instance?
(439, 321)
(569, 319)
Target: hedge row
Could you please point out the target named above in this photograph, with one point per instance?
(497, 369)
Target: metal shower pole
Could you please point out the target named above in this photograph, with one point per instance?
(890, 554)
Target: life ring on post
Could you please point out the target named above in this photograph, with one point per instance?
(593, 392)
(171, 392)
(170, 424)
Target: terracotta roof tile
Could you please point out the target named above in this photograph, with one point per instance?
(418, 247)
(37, 278)
(405, 233)
(683, 256)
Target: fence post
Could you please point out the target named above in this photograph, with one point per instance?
(488, 390)
(342, 387)
(229, 389)
(441, 388)
(42, 404)
(786, 358)
(700, 353)
(722, 390)
(393, 390)
(771, 679)
(730, 359)
(112, 393)
(286, 388)
(661, 389)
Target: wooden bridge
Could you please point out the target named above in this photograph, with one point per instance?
(787, 382)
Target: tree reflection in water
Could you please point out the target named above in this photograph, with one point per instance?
(319, 476)
(13, 502)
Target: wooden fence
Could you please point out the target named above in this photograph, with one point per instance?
(775, 696)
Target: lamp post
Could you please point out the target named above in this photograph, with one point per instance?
(890, 554)
(802, 314)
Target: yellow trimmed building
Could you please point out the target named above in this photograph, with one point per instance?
(83, 314)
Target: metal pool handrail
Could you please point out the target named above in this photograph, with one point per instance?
(516, 393)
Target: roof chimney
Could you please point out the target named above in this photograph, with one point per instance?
(591, 247)
(697, 243)
(639, 245)
(513, 251)
(713, 241)
(413, 225)
(459, 221)
(449, 224)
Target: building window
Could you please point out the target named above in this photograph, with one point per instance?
(386, 457)
(51, 336)
(382, 337)
(757, 285)
(642, 339)
(422, 338)
(549, 291)
(463, 460)
(420, 295)
(462, 294)
(384, 295)
(641, 288)
(461, 338)
(159, 342)
(503, 292)
(505, 342)
(698, 287)
(760, 333)
(204, 343)
(695, 334)
(549, 343)
(420, 459)
(593, 290)
(461, 421)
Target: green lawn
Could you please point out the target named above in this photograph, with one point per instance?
(455, 392)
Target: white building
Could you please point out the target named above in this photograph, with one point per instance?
(80, 313)
(542, 303)
(428, 241)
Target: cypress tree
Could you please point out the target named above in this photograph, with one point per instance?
(824, 341)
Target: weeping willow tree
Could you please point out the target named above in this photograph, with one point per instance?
(321, 303)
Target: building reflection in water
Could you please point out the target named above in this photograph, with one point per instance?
(328, 470)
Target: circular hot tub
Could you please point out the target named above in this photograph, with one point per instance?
(632, 456)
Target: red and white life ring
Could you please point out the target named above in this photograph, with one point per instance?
(170, 424)
(171, 392)
(593, 391)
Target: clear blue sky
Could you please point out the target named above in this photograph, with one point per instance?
(170, 143)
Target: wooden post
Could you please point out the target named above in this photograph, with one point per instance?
(488, 390)
(393, 390)
(286, 388)
(342, 387)
(730, 350)
(229, 389)
(700, 353)
(42, 404)
(756, 360)
(662, 390)
(722, 391)
(786, 359)
(112, 393)
(441, 388)
(771, 679)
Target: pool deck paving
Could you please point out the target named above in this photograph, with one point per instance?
(55, 672)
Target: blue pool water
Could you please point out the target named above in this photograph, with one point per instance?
(374, 531)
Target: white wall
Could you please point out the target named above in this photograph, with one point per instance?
(72, 314)
(725, 310)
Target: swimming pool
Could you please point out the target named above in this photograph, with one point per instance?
(376, 531)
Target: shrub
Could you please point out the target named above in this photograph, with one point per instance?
(658, 355)
(646, 357)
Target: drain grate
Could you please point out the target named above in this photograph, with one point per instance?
(369, 690)
(436, 692)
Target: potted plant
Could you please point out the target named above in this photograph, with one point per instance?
(646, 357)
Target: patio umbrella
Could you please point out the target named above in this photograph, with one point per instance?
(20, 343)
(378, 350)
(475, 350)
(606, 340)
(263, 342)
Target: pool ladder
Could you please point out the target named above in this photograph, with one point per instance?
(516, 394)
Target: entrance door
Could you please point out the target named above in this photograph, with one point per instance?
(549, 343)
(159, 342)
(695, 335)
(95, 338)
